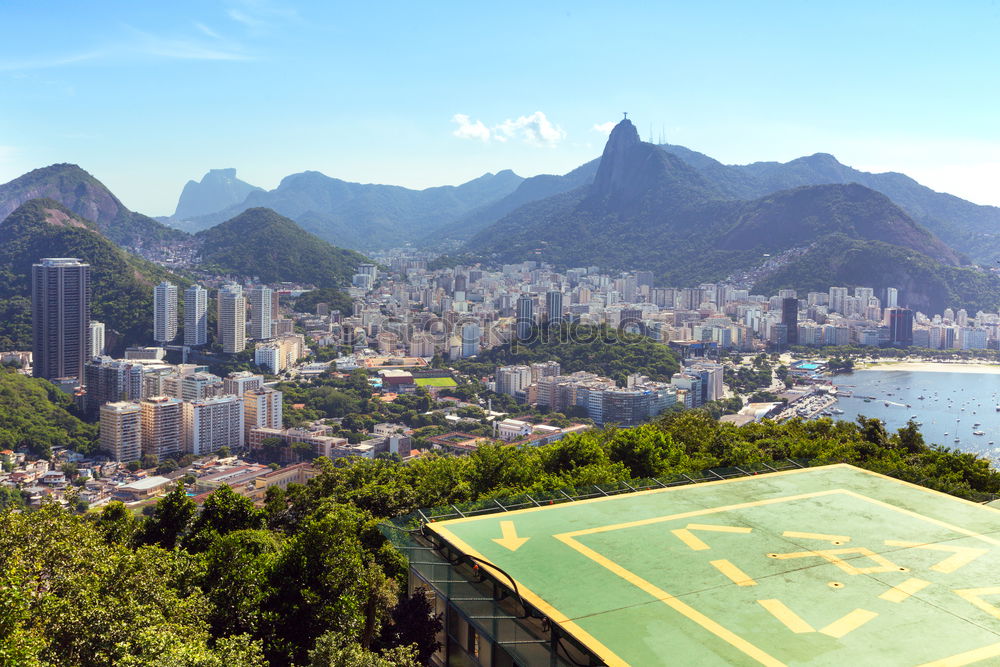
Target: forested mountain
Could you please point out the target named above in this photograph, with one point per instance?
(87, 197)
(367, 216)
(969, 228)
(36, 416)
(649, 208)
(259, 242)
(121, 283)
(217, 190)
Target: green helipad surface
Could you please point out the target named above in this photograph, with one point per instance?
(823, 566)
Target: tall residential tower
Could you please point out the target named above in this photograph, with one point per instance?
(165, 312)
(60, 317)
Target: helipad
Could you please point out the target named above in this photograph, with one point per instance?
(823, 566)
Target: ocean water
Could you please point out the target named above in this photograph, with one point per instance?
(952, 405)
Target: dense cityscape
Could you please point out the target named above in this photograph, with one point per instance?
(534, 335)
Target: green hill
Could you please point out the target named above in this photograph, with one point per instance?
(87, 197)
(121, 283)
(259, 242)
(35, 416)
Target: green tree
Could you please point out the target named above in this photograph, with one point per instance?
(170, 520)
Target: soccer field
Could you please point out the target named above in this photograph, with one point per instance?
(823, 566)
(435, 382)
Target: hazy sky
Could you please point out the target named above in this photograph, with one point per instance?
(146, 95)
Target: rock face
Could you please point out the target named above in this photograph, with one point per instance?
(217, 190)
(88, 198)
(612, 172)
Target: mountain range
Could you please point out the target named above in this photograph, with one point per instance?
(217, 190)
(365, 216)
(650, 208)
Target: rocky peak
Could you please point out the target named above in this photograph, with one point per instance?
(614, 160)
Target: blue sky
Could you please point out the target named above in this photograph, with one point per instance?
(148, 95)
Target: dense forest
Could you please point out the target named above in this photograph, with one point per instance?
(310, 579)
(36, 416)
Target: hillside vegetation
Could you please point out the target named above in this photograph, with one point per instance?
(121, 283)
(262, 243)
(35, 417)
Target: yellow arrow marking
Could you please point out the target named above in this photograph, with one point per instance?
(961, 557)
(848, 623)
(735, 574)
(843, 625)
(833, 539)
(510, 540)
(687, 537)
(909, 587)
(973, 595)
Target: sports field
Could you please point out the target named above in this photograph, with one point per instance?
(824, 566)
(435, 382)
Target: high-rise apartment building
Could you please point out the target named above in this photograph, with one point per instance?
(790, 318)
(121, 430)
(512, 379)
(212, 423)
(110, 380)
(195, 315)
(525, 317)
(891, 297)
(60, 317)
(554, 307)
(161, 427)
(260, 312)
(95, 344)
(900, 326)
(838, 295)
(165, 312)
(232, 319)
(262, 408)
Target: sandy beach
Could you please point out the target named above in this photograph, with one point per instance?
(932, 367)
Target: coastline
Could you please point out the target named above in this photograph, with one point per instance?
(991, 368)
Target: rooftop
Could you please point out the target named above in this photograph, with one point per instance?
(822, 566)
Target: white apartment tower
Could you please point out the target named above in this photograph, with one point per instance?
(121, 430)
(161, 427)
(96, 340)
(195, 315)
(260, 312)
(232, 319)
(241, 382)
(211, 424)
(165, 312)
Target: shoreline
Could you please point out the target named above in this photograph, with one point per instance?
(990, 368)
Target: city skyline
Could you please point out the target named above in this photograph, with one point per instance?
(333, 79)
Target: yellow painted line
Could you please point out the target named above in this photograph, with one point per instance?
(917, 515)
(585, 638)
(698, 512)
(788, 618)
(939, 494)
(961, 556)
(848, 623)
(911, 586)
(833, 556)
(695, 543)
(676, 604)
(735, 574)
(967, 658)
(833, 539)
(690, 539)
(973, 595)
(604, 499)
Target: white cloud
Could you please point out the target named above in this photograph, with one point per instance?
(604, 128)
(535, 129)
(469, 130)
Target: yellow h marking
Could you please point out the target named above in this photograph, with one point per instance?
(735, 574)
(687, 537)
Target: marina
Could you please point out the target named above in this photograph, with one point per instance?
(958, 410)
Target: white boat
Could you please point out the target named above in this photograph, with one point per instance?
(979, 433)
